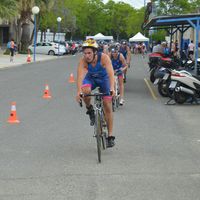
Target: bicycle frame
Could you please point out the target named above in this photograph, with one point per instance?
(115, 102)
(100, 124)
(99, 113)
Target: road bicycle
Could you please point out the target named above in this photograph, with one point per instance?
(116, 98)
(100, 126)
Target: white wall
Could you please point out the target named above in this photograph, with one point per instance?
(49, 36)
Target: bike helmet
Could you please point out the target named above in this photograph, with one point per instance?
(124, 42)
(90, 43)
(114, 49)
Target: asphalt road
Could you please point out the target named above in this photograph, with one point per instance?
(51, 154)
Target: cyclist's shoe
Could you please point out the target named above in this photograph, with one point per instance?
(90, 112)
(110, 141)
(121, 103)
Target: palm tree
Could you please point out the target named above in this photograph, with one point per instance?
(25, 11)
(25, 7)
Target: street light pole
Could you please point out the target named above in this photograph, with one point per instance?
(35, 11)
(59, 20)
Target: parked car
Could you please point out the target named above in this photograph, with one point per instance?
(49, 48)
(64, 43)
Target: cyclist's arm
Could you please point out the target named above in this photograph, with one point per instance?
(81, 71)
(109, 54)
(106, 62)
(123, 61)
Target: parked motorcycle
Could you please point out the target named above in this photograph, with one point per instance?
(185, 86)
(154, 59)
(163, 75)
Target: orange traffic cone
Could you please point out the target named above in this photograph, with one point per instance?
(13, 119)
(28, 57)
(71, 78)
(47, 93)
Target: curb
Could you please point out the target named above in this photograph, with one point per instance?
(25, 63)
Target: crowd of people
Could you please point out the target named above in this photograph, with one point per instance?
(139, 48)
(186, 53)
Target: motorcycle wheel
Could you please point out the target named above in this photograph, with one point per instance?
(180, 97)
(169, 90)
(152, 77)
(162, 88)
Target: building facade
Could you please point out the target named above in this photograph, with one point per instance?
(4, 32)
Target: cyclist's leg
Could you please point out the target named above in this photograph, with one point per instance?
(86, 89)
(107, 103)
(125, 72)
(104, 85)
(87, 86)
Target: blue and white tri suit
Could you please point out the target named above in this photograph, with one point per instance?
(117, 65)
(97, 76)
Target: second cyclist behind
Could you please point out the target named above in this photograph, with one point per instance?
(119, 66)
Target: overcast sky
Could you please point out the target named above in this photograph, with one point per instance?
(134, 3)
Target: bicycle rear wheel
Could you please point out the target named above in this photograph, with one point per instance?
(114, 106)
(117, 101)
(98, 135)
(104, 132)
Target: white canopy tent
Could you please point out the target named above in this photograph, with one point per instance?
(139, 38)
(100, 36)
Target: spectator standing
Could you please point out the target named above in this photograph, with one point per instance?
(165, 49)
(158, 48)
(73, 48)
(191, 50)
(176, 47)
(173, 49)
(186, 48)
(144, 49)
(151, 46)
(11, 46)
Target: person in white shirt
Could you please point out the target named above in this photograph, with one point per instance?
(191, 50)
(158, 48)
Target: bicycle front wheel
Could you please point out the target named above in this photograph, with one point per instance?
(104, 130)
(98, 135)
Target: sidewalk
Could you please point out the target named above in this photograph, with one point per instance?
(20, 59)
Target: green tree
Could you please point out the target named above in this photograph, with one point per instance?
(158, 35)
(195, 5)
(121, 15)
(134, 23)
(173, 7)
(25, 11)
(46, 17)
(8, 9)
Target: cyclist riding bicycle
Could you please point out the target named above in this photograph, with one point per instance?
(95, 70)
(119, 66)
(125, 50)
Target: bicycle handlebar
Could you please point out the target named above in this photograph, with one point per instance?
(92, 95)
